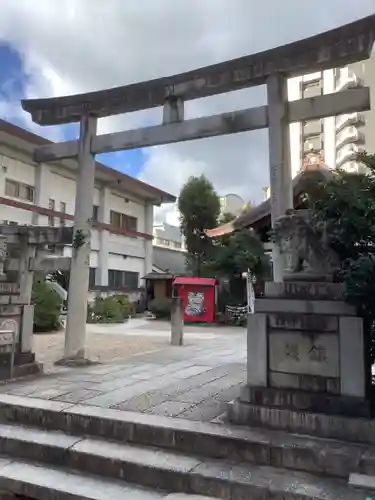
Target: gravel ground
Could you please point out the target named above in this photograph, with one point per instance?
(50, 347)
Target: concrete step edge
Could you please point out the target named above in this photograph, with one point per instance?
(217, 479)
(148, 466)
(39, 481)
(265, 447)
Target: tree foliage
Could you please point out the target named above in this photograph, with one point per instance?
(228, 256)
(234, 254)
(199, 207)
(237, 252)
(346, 206)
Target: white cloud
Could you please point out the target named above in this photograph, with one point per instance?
(71, 46)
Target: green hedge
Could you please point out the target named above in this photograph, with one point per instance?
(47, 308)
(113, 309)
(161, 307)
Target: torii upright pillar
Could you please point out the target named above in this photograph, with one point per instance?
(279, 157)
(75, 335)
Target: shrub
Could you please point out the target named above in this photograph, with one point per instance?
(47, 308)
(128, 307)
(105, 310)
(161, 307)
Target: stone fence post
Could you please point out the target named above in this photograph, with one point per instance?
(177, 321)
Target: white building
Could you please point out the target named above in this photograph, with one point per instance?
(231, 204)
(168, 236)
(340, 138)
(44, 194)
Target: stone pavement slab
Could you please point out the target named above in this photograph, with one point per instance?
(186, 496)
(194, 381)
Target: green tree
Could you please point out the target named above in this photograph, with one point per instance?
(199, 207)
(345, 206)
(237, 252)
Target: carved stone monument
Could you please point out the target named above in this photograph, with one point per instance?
(23, 251)
(308, 255)
(305, 348)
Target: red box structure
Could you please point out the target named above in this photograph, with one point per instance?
(198, 297)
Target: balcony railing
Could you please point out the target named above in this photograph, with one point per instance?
(351, 166)
(349, 81)
(349, 135)
(349, 119)
(347, 153)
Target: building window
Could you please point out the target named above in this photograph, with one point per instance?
(95, 213)
(123, 221)
(131, 279)
(312, 89)
(92, 272)
(312, 127)
(51, 206)
(313, 144)
(120, 280)
(63, 210)
(19, 190)
(26, 192)
(11, 188)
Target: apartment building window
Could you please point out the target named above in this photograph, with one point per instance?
(118, 280)
(95, 213)
(123, 221)
(92, 272)
(19, 190)
(313, 143)
(63, 210)
(312, 127)
(311, 89)
(51, 206)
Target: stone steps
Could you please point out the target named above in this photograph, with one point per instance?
(174, 455)
(37, 481)
(290, 420)
(78, 463)
(238, 444)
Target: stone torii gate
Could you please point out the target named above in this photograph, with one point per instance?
(336, 48)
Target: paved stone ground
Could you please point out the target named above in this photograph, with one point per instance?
(126, 339)
(194, 381)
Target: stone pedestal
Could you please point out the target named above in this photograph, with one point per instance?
(15, 317)
(305, 353)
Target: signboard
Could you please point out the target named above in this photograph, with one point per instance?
(304, 353)
(195, 304)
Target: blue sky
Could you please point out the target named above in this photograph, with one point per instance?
(12, 82)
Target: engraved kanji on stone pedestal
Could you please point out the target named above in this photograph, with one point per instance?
(305, 357)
